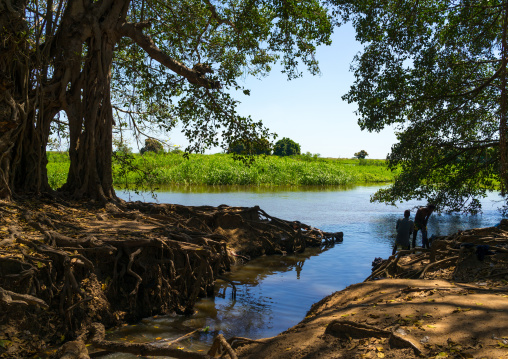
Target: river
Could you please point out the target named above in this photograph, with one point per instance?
(275, 292)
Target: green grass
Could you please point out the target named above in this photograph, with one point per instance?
(222, 169)
(58, 167)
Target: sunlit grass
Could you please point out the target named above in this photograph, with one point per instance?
(222, 169)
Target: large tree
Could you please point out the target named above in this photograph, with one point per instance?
(436, 72)
(147, 62)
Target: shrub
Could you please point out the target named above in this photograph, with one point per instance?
(152, 145)
(286, 147)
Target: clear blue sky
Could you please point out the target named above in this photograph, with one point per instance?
(309, 110)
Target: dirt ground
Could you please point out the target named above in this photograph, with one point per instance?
(458, 309)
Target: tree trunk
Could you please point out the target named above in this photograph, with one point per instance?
(503, 107)
(90, 113)
(22, 140)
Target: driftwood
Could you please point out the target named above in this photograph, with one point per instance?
(219, 346)
(149, 349)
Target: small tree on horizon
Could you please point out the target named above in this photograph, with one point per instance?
(152, 145)
(361, 155)
(286, 147)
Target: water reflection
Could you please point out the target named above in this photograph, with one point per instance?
(274, 293)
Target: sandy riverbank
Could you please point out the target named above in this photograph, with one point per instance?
(459, 309)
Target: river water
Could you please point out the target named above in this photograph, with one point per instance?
(275, 292)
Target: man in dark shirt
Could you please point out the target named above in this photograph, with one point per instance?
(404, 228)
(421, 218)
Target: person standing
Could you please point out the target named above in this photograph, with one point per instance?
(421, 218)
(404, 228)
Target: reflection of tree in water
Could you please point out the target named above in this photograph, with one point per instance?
(251, 312)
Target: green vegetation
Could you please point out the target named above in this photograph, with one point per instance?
(361, 155)
(58, 167)
(222, 169)
(286, 147)
(436, 72)
(254, 147)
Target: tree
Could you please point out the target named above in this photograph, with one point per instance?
(437, 72)
(152, 145)
(361, 155)
(257, 147)
(286, 147)
(137, 63)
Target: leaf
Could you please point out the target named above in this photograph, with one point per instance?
(380, 355)
(442, 355)
(430, 326)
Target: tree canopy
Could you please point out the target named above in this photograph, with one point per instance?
(361, 154)
(436, 72)
(286, 147)
(88, 67)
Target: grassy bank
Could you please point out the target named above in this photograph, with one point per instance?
(222, 169)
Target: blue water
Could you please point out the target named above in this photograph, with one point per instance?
(276, 292)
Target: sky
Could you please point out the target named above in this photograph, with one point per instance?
(309, 110)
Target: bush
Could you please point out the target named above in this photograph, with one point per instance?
(286, 147)
(257, 147)
(152, 145)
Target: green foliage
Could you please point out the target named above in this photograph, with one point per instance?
(224, 41)
(286, 147)
(152, 145)
(58, 167)
(436, 72)
(307, 156)
(132, 173)
(119, 145)
(153, 170)
(258, 147)
(361, 154)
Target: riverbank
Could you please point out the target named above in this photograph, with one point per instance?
(65, 266)
(457, 307)
(156, 170)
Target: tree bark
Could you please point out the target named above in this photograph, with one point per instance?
(503, 107)
(89, 107)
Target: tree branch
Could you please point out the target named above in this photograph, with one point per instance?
(146, 43)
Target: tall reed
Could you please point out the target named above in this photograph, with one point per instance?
(222, 169)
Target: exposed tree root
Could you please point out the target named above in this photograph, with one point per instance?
(459, 254)
(149, 349)
(127, 261)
